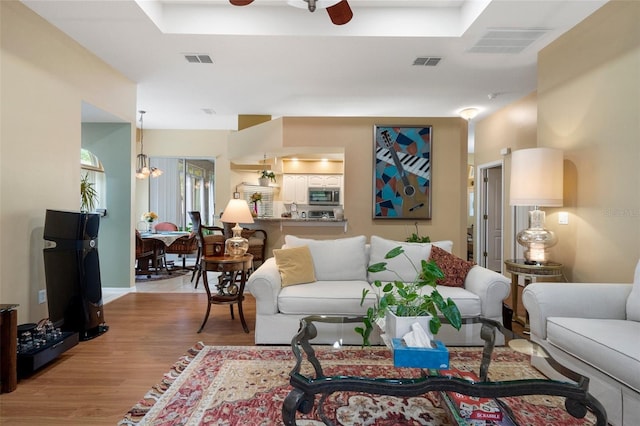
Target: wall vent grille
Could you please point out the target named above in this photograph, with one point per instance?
(507, 40)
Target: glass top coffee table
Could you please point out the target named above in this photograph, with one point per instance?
(311, 381)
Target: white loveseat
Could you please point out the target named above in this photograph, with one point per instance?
(341, 275)
(593, 329)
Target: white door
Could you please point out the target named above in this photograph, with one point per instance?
(491, 253)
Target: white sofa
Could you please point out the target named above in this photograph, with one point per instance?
(341, 274)
(593, 329)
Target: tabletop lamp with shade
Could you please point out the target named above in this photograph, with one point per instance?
(536, 180)
(237, 211)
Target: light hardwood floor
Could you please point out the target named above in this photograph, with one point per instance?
(99, 380)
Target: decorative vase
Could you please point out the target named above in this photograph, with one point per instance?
(150, 227)
(263, 181)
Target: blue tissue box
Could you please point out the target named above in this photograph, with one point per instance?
(405, 356)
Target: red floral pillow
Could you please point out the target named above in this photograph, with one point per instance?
(454, 268)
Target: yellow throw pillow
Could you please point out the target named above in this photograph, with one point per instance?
(295, 265)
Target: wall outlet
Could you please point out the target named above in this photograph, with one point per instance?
(563, 218)
(42, 296)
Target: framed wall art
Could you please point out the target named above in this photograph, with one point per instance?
(402, 172)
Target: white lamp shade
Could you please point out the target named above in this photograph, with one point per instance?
(237, 211)
(536, 177)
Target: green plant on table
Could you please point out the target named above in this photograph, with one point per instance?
(408, 299)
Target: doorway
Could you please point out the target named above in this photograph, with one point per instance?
(187, 184)
(490, 220)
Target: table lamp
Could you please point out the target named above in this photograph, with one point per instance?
(237, 211)
(536, 180)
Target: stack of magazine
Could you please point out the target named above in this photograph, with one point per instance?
(473, 411)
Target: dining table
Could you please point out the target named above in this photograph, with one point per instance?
(167, 237)
(159, 252)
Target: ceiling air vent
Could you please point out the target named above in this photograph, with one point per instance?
(198, 59)
(507, 40)
(427, 61)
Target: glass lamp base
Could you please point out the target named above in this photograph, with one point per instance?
(536, 239)
(236, 246)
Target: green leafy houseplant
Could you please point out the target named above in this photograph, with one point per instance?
(416, 238)
(407, 299)
(268, 174)
(88, 194)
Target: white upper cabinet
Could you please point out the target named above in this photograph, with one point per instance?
(295, 189)
(325, 181)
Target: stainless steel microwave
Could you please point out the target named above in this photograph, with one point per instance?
(324, 196)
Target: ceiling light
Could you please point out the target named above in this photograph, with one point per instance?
(312, 4)
(142, 169)
(469, 113)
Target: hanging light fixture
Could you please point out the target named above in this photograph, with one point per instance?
(142, 169)
(313, 4)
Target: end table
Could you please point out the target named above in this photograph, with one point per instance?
(518, 267)
(230, 287)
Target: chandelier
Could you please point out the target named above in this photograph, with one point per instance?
(142, 169)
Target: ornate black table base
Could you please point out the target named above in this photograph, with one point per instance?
(302, 396)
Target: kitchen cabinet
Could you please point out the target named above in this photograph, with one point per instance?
(295, 189)
(325, 181)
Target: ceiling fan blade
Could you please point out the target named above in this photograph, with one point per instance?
(340, 13)
(240, 2)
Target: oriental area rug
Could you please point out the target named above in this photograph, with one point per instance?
(246, 385)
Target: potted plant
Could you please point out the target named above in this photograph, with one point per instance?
(416, 238)
(88, 194)
(265, 177)
(409, 299)
(255, 198)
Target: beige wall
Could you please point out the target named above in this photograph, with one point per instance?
(589, 106)
(45, 78)
(355, 136)
(512, 127)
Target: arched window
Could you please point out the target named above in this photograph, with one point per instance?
(91, 166)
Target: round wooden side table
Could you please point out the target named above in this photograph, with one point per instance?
(518, 267)
(230, 287)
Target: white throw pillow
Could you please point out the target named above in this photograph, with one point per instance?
(416, 252)
(342, 259)
(633, 302)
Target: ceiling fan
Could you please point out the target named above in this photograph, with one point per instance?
(339, 11)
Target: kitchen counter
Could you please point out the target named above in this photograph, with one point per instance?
(288, 221)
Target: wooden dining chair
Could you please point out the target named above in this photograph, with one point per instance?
(144, 255)
(209, 244)
(183, 247)
(166, 226)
